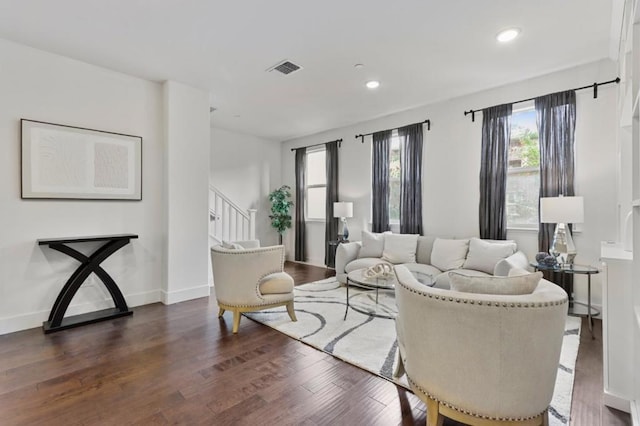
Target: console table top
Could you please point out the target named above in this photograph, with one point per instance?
(49, 241)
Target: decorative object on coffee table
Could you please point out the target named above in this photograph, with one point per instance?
(343, 210)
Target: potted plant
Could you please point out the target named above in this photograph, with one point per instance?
(280, 209)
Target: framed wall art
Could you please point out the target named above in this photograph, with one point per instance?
(75, 163)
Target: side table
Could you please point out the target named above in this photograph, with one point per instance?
(333, 246)
(575, 308)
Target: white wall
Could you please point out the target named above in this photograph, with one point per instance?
(246, 169)
(451, 164)
(47, 87)
(186, 121)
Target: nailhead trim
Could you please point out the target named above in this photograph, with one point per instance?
(487, 303)
(470, 413)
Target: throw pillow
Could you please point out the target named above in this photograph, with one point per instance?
(231, 246)
(449, 254)
(512, 285)
(372, 244)
(400, 248)
(483, 255)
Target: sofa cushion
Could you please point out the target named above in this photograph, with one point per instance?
(443, 282)
(516, 260)
(421, 268)
(400, 248)
(372, 244)
(512, 285)
(449, 254)
(276, 283)
(483, 255)
(365, 262)
(424, 249)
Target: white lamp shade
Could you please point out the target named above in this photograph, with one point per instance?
(562, 209)
(343, 209)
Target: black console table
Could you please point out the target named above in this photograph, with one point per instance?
(88, 264)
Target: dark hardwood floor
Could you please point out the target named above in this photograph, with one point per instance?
(180, 364)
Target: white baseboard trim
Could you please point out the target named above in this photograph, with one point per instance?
(171, 297)
(35, 319)
(635, 412)
(615, 401)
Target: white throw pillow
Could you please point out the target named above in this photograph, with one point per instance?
(511, 285)
(231, 246)
(372, 244)
(400, 248)
(449, 254)
(483, 255)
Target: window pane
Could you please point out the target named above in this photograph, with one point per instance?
(394, 180)
(523, 178)
(316, 200)
(316, 170)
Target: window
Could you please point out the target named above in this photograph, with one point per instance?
(523, 173)
(394, 179)
(316, 185)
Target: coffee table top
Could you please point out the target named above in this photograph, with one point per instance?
(385, 282)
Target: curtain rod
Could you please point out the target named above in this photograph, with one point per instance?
(593, 86)
(427, 122)
(318, 144)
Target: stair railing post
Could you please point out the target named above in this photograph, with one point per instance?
(252, 224)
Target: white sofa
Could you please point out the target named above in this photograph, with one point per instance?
(430, 255)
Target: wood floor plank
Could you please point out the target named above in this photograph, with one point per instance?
(181, 364)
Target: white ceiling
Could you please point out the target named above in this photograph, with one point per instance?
(422, 51)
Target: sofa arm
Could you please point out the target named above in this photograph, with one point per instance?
(516, 260)
(345, 253)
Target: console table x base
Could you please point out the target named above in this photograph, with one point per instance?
(88, 265)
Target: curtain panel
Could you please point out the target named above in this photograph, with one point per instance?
(411, 179)
(301, 166)
(556, 119)
(380, 180)
(331, 225)
(496, 132)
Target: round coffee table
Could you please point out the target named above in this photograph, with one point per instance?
(385, 283)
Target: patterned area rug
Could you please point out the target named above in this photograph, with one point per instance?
(370, 342)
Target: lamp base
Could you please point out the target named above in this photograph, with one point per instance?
(563, 248)
(345, 230)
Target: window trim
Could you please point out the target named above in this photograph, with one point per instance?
(307, 218)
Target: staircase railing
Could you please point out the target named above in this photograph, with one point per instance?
(227, 221)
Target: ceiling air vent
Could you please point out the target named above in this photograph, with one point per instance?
(285, 67)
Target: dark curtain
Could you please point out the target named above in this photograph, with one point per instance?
(380, 181)
(556, 119)
(331, 226)
(411, 179)
(496, 132)
(301, 166)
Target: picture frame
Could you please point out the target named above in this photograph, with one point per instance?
(76, 163)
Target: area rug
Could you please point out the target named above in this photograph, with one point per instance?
(369, 342)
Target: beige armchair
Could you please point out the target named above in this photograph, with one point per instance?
(477, 358)
(251, 280)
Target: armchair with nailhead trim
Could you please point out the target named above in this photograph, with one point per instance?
(480, 358)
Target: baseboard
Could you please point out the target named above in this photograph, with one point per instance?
(614, 401)
(635, 412)
(35, 319)
(171, 297)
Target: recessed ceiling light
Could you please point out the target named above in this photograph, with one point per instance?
(508, 35)
(373, 84)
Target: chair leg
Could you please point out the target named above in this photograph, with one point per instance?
(236, 320)
(545, 418)
(434, 418)
(399, 370)
(291, 311)
(220, 312)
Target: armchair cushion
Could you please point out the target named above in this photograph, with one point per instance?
(515, 284)
(449, 254)
(484, 255)
(400, 248)
(276, 283)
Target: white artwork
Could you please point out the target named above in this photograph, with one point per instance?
(69, 162)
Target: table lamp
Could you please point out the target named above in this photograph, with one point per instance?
(343, 210)
(562, 211)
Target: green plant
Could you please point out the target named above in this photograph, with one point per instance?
(280, 209)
